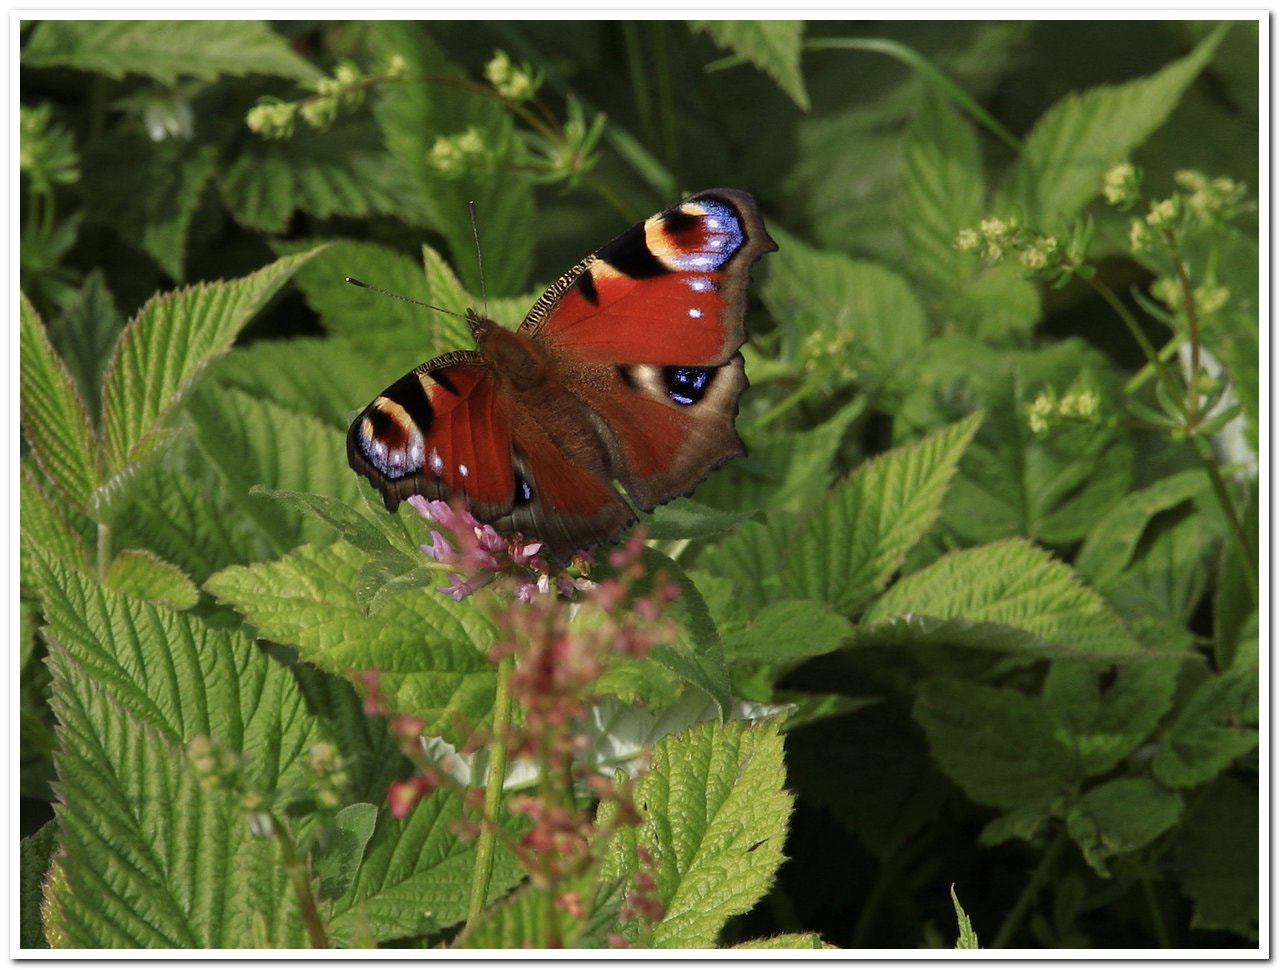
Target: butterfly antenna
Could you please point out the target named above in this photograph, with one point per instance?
(407, 299)
(475, 232)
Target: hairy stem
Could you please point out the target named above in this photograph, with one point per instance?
(296, 868)
(1248, 557)
(487, 843)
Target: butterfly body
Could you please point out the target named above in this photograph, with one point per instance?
(626, 369)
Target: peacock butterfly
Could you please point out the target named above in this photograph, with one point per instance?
(626, 368)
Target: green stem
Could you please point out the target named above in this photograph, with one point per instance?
(1135, 329)
(296, 868)
(1158, 927)
(1014, 919)
(926, 70)
(1193, 334)
(1247, 556)
(487, 843)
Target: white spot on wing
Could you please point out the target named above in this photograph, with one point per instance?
(464, 471)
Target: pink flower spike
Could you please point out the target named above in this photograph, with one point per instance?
(439, 548)
(459, 588)
(430, 508)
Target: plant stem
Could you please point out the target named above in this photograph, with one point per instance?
(1193, 334)
(927, 71)
(301, 880)
(1135, 330)
(1247, 555)
(104, 550)
(487, 843)
(1016, 915)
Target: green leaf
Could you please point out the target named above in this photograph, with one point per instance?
(190, 523)
(942, 193)
(165, 345)
(1112, 542)
(252, 441)
(868, 316)
(35, 857)
(1216, 725)
(1001, 747)
(715, 818)
(1215, 857)
(84, 334)
(151, 856)
(1009, 595)
(785, 941)
(1079, 138)
(341, 171)
(377, 535)
(684, 518)
(415, 876)
(1120, 816)
(783, 471)
(771, 45)
(429, 651)
(968, 939)
(787, 631)
(149, 193)
(164, 49)
(54, 419)
(338, 860)
(1062, 479)
(1106, 713)
(699, 658)
(853, 543)
(142, 574)
(396, 335)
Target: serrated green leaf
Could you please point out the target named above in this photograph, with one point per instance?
(785, 941)
(968, 939)
(1063, 478)
(415, 876)
(684, 518)
(394, 335)
(869, 315)
(428, 650)
(164, 49)
(787, 631)
(1079, 138)
(942, 193)
(190, 523)
(55, 420)
(851, 545)
(699, 660)
(35, 856)
(1111, 543)
(1010, 584)
(1105, 712)
(152, 857)
(1215, 857)
(144, 575)
(149, 193)
(42, 521)
(771, 45)
(165, 345)
(374, 536)
(341, 171)
(412, 116)
(715, 819)
(84, 334)
(1001, 747)
(1120, 816)
(783, 471)
(1216, 725)
(750, 557)
(251, 442)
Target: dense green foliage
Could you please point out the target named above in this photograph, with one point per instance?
(979, 610)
